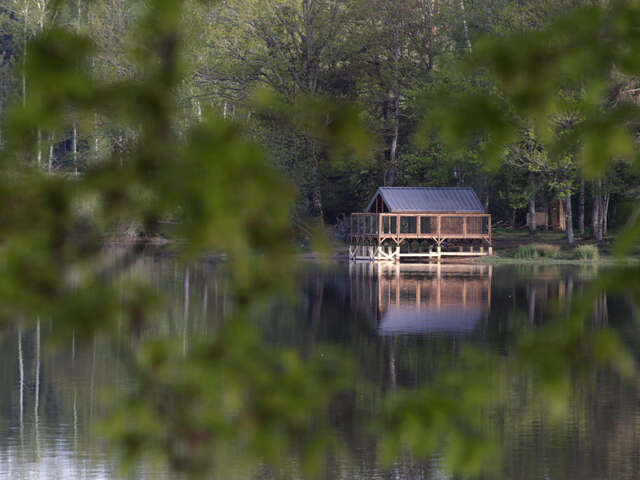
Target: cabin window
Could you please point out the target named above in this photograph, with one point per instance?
(374, 224)
(408, 225)
(428, 225)
(367, 224)
(485, 225)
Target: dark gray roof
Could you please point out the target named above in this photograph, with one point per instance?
(429, 199)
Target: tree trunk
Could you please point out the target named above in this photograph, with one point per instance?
(605, 213)
(75, 146)
(546, 212)
(198, 111)
(393, 147)
(466, 29)
(597, 210)
(568, 215)
(39, 152)
(532, 204)
(513, 217)
(50, 167)
(581, 206)
(185, 314)
(95, 136)
(25, 13)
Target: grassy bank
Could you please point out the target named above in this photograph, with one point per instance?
(517, 247)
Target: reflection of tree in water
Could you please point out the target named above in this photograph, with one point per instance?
(335, 309)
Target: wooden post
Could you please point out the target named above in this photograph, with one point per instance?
(464, 226)
(439, 223)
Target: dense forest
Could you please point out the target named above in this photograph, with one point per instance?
(391, 59)
(243, 124)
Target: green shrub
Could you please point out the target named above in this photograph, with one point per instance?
(525, 251)
(546, 250)
(587, 252)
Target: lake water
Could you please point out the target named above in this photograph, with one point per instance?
(404, 325)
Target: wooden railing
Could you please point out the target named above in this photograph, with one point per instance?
(415, 225)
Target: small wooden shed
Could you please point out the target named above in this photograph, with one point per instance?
(415, 219)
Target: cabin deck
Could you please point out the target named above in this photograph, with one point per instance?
(393, 236)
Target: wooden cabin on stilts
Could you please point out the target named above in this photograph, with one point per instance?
(415, 223)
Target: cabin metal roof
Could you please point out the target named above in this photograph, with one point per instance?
(429, 199)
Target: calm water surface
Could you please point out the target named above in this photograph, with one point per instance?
(402, 324)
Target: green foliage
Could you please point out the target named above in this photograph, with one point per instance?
(587, 252)
(525, 251)
(546, 250)
(231, 404)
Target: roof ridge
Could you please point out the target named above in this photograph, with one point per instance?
(422, 188)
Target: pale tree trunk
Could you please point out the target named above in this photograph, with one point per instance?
(39, 151)
(532, 204)
(95, 136)
(568, 215)
(75, 121)
(75, 146)
(597, 210)
(185, 314)
(198, 109)
(605, 213)
(395, 109)
(25, 13)
(466, 29)
(581, 206)
(393, 148)
(50, 166)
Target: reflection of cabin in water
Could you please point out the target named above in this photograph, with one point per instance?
(420, 222)
(425, 299)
